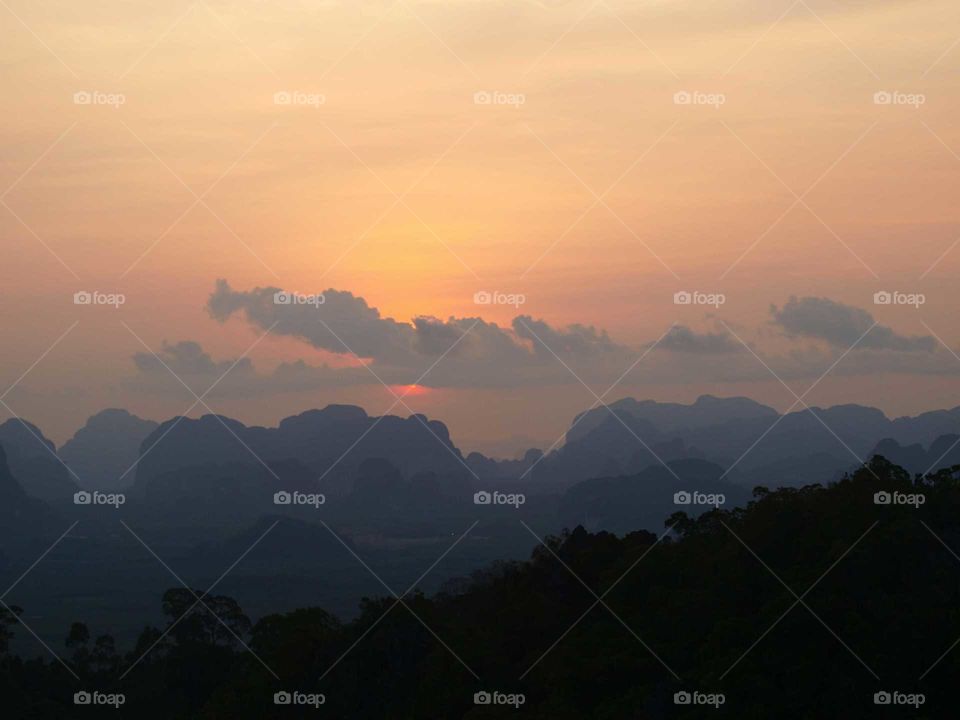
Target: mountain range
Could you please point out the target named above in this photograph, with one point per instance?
(753, 442)
(324, 449)
(395, 491)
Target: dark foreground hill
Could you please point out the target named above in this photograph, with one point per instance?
(817, 602)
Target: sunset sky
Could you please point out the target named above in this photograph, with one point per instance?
(430, 151)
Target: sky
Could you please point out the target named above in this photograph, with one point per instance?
(490, 212)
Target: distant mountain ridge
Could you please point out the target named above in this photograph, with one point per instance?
(754, 444)
(705, 411)
(943, 452)
(20, 515)
(106, 447)
(333, 441)
(33, 460)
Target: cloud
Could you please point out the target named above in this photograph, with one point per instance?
(234, 376)
(464, 352)
(842, 325)
(470, 352)
(187, 358)
(342, 324)
(682, 339)
(578, 340)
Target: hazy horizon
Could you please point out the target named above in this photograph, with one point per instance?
(505, 447)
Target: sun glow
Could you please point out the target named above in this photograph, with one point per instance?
(410, 390)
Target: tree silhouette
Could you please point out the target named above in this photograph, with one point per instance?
(77, 640)
(200, 619)
(8, 619)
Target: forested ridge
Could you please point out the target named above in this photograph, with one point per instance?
(806, 603)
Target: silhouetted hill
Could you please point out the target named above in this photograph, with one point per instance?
(846, 432)
(926, 426)
(333, 442)
(633, 502)
(707, 410)
(486, 467)
(22, 518)
(106, 447)
(339, 437)
(613, 447)
(749, 439)
(943, 452)
(34, 462)
(10, 490)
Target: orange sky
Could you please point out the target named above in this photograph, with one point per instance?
(597, 197)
